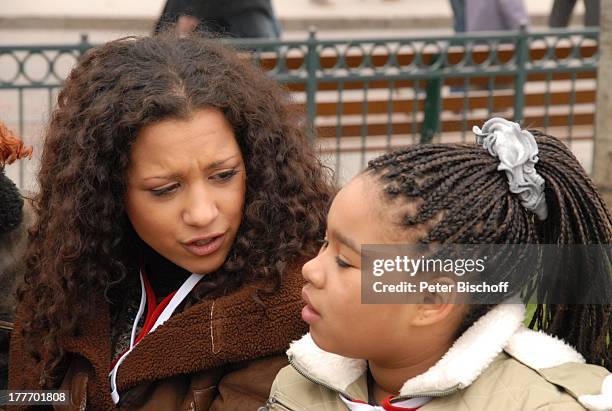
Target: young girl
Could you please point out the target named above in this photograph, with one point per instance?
(178, 199)
(443, 356)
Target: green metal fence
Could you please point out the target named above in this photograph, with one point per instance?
(363, 97)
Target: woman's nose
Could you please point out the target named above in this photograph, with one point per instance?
(313, 273)
(200, 208)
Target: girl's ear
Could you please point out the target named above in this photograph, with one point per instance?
(440, 304)
(432, 314)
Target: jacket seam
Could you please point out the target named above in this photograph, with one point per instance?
(242, 391)
(553, 404)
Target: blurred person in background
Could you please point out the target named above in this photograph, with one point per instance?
(233, 18)
(16, 216)
(458, 7)
(495, 15)
(562, 11)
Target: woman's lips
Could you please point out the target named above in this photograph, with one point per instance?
(199, 249)
(309, 314)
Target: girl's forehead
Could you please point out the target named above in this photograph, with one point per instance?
(362, 207)
(354, 213)
(356, 195)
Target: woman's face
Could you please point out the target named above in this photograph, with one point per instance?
(186, 189)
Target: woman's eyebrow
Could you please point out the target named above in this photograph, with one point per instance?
(162, 177)
(213, 165)
(219, 163)
(346, 241)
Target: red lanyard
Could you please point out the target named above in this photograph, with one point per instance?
(156, 316)
(411, 404)
(153, 312)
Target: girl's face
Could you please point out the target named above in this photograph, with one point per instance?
(186, 189)
(338, 321)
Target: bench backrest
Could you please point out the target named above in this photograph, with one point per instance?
(445, 85)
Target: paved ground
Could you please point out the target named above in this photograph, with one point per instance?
(333, 17)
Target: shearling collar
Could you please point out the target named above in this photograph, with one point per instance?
(500, 329)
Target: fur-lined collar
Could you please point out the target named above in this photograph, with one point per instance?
(500, 329)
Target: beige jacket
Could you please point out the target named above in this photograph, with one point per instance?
(497, 364)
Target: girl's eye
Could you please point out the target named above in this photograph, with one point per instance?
(160, 192)
(341, 263)
(225, 175)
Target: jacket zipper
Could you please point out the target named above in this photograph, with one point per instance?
(444, 393)
(272, 401)
(303, 374)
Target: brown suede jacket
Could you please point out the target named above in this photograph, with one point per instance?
(221, 354)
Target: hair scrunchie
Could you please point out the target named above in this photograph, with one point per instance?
(517, 151)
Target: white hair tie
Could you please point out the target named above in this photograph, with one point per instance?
(517, 151)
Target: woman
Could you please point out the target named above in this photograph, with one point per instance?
(178, 200)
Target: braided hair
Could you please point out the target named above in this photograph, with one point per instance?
(460, 188)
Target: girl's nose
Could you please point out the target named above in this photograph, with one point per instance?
(313, 273)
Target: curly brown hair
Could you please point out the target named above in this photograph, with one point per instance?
(83, 241)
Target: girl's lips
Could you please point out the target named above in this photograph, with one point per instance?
(309, 314)
(208, 248)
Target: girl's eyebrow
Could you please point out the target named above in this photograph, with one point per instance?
(345, 240)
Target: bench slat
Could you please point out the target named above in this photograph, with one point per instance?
(453, 103)
(448, 125)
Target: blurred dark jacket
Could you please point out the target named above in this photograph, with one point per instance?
(223, 16)
(14, 207)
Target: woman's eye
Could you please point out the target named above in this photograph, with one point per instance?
(160, 192)
(225, 175)
(324, 244)
(341, 263)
